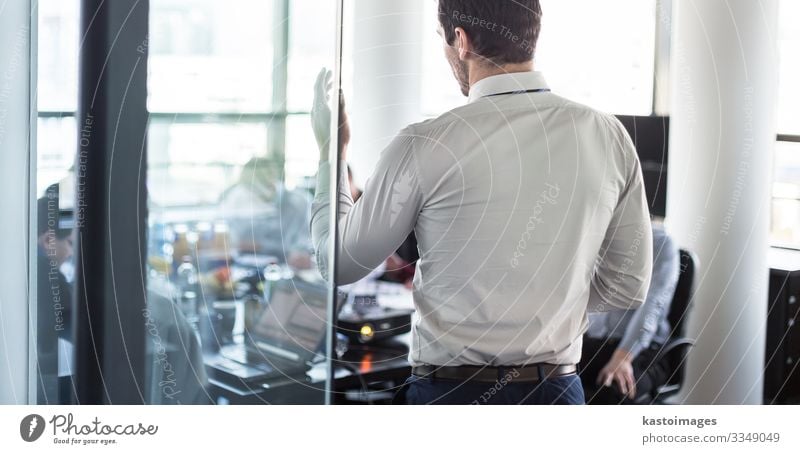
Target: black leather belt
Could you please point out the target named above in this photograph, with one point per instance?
(529, 373)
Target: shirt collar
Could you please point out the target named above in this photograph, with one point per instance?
(502, 83)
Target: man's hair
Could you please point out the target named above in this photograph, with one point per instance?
(502, 31)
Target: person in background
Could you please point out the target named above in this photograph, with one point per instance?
(54, 250)
(54, 293)
(175, 373)
(265, 217)
(619, 347)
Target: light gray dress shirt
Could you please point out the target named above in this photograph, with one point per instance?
(529, 211)
(639, 328)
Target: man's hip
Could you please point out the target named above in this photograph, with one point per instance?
(539, 384)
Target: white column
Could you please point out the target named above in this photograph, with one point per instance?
(721, 143)
(15, 240)
(387, 61)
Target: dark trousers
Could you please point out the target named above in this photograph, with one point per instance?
(597, 353)
(564, 390)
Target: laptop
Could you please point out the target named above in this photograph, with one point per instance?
(286, 337)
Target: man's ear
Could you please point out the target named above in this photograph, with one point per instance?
(463, 44)
(46, 239)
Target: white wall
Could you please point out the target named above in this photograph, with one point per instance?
(15, 115)
(387, 62)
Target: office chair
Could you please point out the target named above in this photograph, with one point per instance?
(673, 353)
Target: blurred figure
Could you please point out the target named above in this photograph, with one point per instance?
(175, 371)
(619, 347)
(54, 294)
(265, 218)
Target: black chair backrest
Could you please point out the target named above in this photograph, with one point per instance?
(682, 300)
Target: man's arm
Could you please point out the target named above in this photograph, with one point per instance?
(622, 274)
(374, 227)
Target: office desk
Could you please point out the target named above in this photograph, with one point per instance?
(366, 373)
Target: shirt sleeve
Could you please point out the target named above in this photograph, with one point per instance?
(374, 227)
(645, 322)
(623, 271)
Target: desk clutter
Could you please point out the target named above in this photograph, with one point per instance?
(375, 311)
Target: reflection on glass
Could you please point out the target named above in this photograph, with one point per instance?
(237, 310)
(228, 210)
(54, 293)
(57, 139)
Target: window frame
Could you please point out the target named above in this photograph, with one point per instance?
(273, 120)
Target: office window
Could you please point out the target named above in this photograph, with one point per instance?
(212, 97)
(789, 69)
(581, 40)
(58, 55)
(302, 164)
(307, 53)
(191, 164)
(57, 90)
(786, 195)
(309, 20)
(210, 56)
(786, 189)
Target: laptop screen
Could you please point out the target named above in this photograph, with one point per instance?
(295, 318)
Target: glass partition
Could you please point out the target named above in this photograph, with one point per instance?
(236, 308)
(232, 275)
(57, 144)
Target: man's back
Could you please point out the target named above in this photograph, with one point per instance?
(519, 191)
(526, 207)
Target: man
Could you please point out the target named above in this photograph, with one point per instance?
(528, 210)
(620, 347)
(54, 294)
(265, 217)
